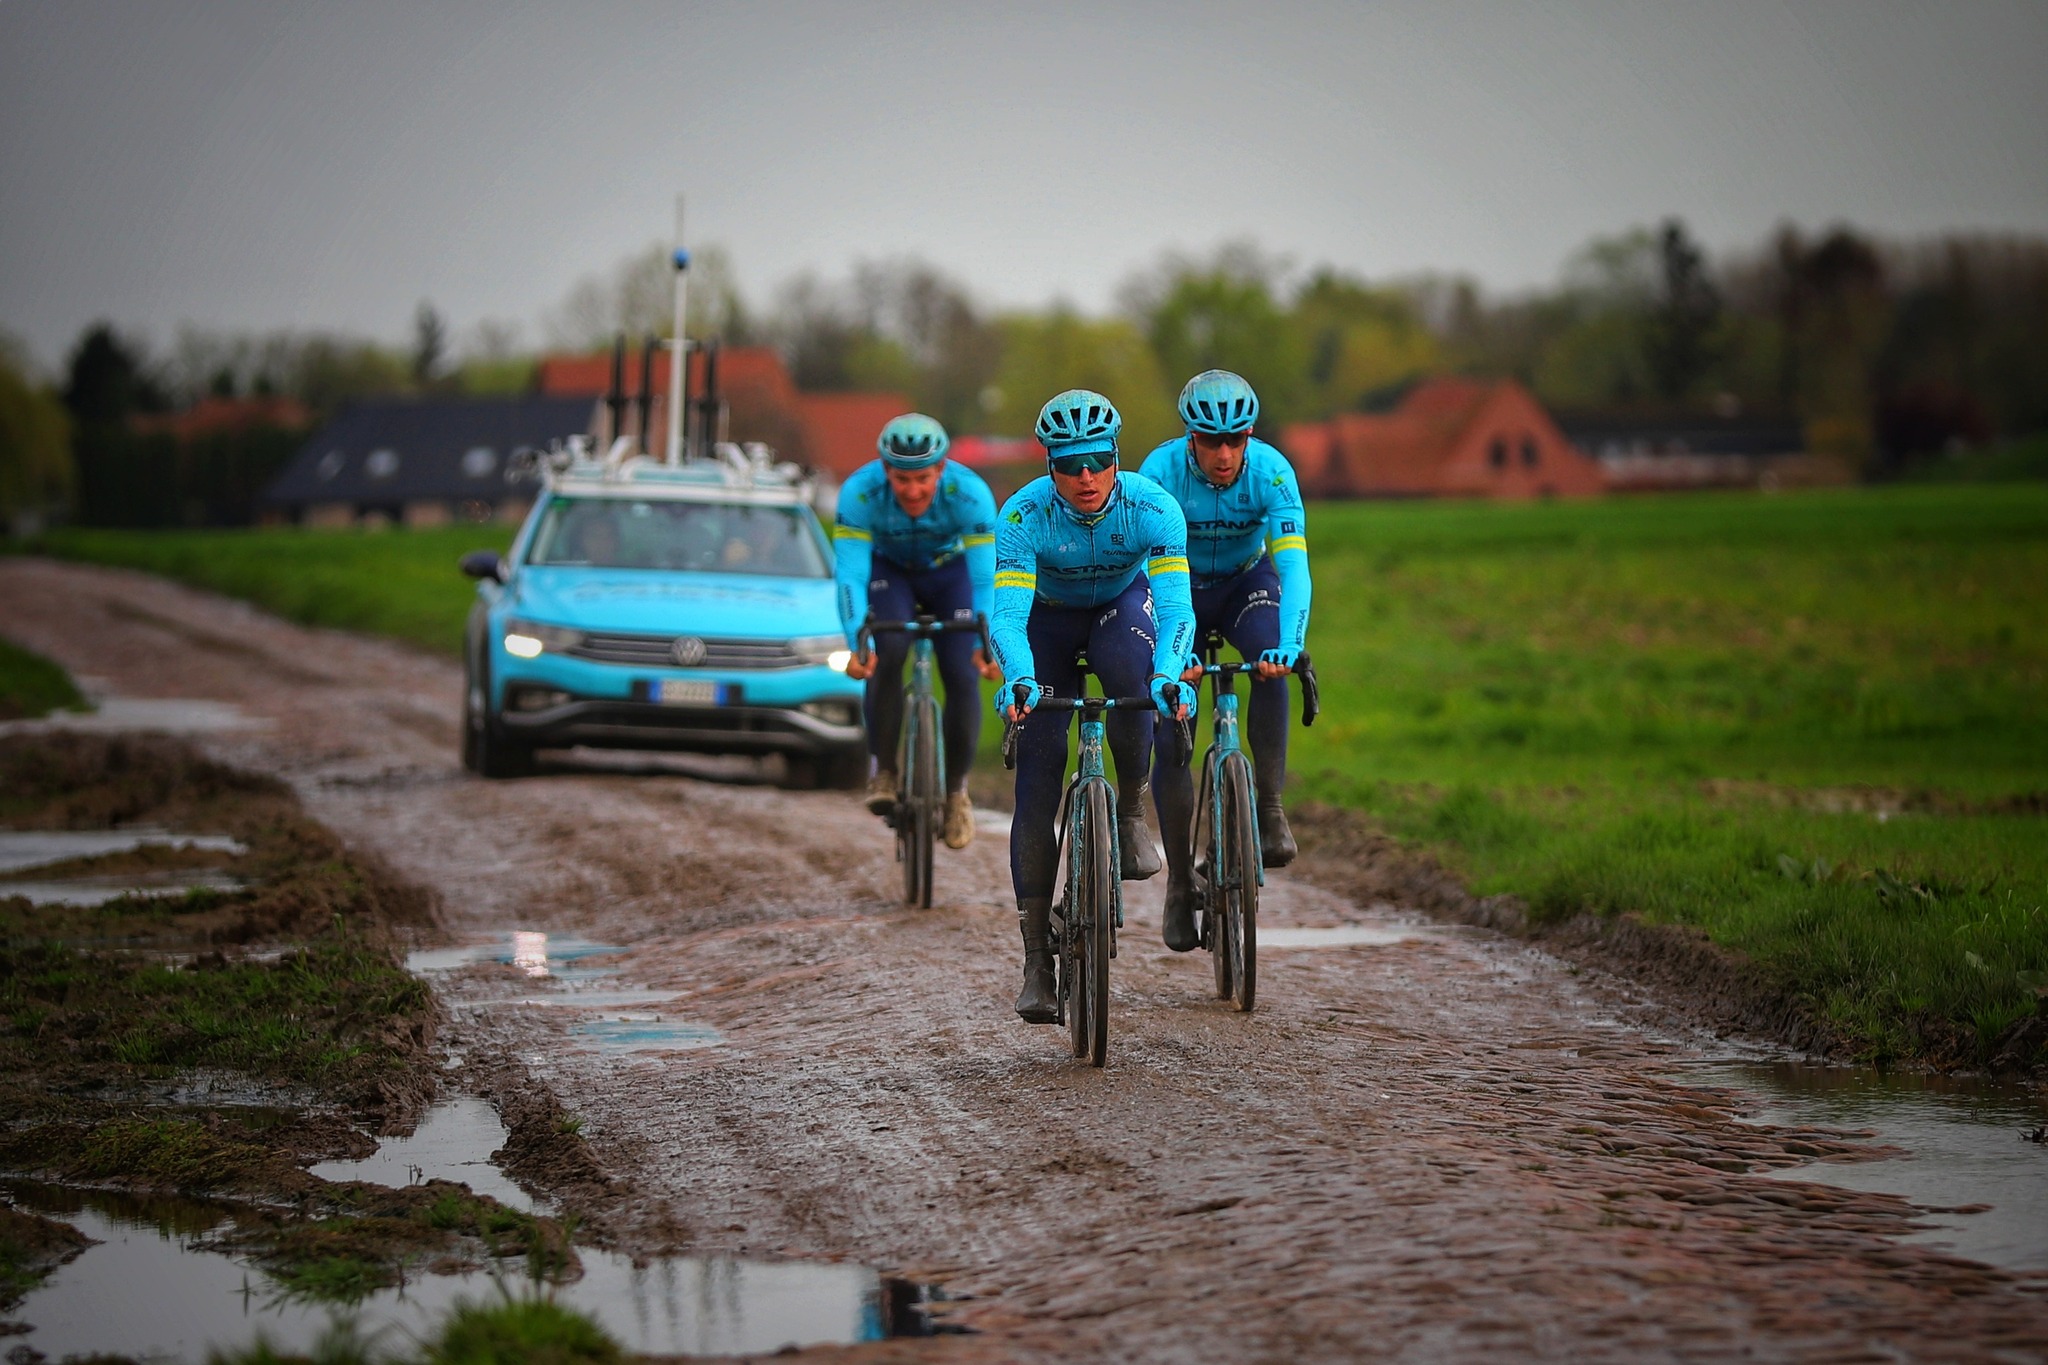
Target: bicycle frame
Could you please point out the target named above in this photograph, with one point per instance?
(1224, 732)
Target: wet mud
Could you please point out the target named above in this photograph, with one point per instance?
(1437, 1142)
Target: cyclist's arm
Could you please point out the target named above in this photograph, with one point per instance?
(853, 561)
(1287, 542)
(1173, 606)
(979, 538)
(1014, 586)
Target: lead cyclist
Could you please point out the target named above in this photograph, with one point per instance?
(1087, 560)
(915, 533)
(1248, 554)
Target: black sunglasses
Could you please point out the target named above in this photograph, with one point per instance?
(1092, 462)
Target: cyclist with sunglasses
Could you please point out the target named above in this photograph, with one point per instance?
(916, 533)
(1248, 554)
(1088, 561)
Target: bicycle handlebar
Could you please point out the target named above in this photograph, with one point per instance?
(923, 627)
(1184, 745)
(1311, 691)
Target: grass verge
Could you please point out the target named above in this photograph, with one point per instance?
(398, 583)
(31, 685)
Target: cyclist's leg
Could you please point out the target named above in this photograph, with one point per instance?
(890, 598)
(1056, 635)
(1251, 622)
(1173, 796)
(947, 592)
(1120, 643)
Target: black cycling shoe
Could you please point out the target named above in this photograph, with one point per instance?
(1181, 934)
(1039, 1001)
(1139, 854)
(1276, 841)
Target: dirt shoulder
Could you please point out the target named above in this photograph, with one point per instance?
(1442, 1142)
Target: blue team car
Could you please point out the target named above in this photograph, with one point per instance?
(647, 605)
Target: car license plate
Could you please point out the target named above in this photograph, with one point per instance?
(687, 692)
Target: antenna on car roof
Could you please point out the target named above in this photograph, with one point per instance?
(615, 396)
(646, 400)
(679, 348)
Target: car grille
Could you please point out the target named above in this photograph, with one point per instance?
(658, 651)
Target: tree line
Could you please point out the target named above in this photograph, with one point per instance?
(1883, 352)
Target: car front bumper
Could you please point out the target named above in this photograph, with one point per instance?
(622, 724)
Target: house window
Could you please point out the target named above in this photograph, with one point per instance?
(1530, 454)
(381, 464)
(479, 461)
(330, 464)
(1497, 453)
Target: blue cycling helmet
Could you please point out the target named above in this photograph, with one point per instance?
(912, 441)
(1218, 402)
(1078, 422)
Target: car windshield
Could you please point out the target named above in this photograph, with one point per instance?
(707, 537)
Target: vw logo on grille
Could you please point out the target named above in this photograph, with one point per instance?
(688, 650)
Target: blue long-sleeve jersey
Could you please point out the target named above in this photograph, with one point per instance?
(961, 520)
(1046, 551)
(1230, 529)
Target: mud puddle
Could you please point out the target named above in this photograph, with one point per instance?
(25, 850)
(155, 1286)
(453, 1141)
(111, 715)
(1965, 1157)
(572, 975)
(1337, 936)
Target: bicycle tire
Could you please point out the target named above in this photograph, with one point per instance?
(921, 800)
(1098, 917)
(1203, 842)
(1240, 889)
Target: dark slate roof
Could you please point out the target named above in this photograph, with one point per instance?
(392, 450)
(1690, 435)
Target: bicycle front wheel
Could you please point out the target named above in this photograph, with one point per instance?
(1096, 914)
(1238, 888)
(917, 814)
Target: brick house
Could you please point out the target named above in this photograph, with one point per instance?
(1449, 437)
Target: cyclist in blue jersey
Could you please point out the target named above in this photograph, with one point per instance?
(916, 533)
(1248, 557)
(1088, 561)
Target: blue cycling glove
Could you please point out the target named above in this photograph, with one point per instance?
(1182, 695)
(1006, 695)
(1284, 656)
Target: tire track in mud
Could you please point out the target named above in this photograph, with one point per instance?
(1443, 1147)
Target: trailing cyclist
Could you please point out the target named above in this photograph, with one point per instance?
(1085, 559)
(916, 533)
(1248, 555)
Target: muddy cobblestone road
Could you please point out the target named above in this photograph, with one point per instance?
(1440, 1146)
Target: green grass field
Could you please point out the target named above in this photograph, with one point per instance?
(31, 685)
(399, 583)
(1815, 725)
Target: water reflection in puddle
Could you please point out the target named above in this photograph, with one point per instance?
(1338, 936)
(628, 1033)
(1961, 1138)
(556, 956)
(454, 1141)
(86, 892)
(153, 1288)
(21, 849)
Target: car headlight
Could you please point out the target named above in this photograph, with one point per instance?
(529, 639)
(821, 649)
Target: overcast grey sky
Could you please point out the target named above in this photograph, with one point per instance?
(277, 163)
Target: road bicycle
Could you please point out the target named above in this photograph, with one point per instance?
(1228, 868)
(920, 808)
(1088, 907)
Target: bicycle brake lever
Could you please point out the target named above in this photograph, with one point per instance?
(1311, 694)
(1010, 744)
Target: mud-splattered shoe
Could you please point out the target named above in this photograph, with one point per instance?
(1038, 1002)
(1276, 841)
(959, 831)
(1138, 853)
(881, 797)
(1181, 934)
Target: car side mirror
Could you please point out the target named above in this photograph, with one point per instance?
(484, 564)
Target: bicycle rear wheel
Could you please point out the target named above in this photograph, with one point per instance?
(918, 812)
(1239, 889)
(1096, 922)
